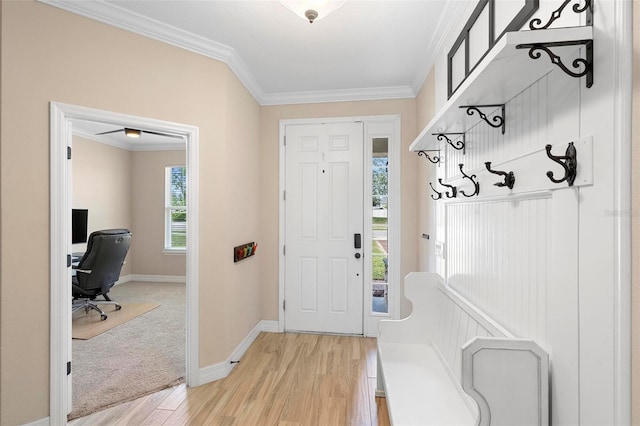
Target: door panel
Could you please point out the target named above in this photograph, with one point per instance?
(323, 210)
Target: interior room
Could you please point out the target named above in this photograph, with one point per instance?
(131, 174)
(397, 212)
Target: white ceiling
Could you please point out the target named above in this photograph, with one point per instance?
(364, 50)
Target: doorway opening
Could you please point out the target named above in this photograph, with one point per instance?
(63, 117)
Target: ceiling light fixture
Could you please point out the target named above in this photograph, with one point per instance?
(132, 133)
(312, 10)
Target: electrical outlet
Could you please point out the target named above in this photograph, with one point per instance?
(440, 249)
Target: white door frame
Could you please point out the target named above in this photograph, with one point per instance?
(622, 146)
(61, 116)
(394, 212)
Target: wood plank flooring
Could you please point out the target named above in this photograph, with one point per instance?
(283, 379)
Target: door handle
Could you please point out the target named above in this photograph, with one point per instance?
(357, 255)
(357, 241)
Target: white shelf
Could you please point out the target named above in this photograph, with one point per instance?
(501, 75)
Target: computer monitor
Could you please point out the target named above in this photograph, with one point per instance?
(79, 225)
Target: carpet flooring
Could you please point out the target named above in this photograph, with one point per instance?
(142, 356)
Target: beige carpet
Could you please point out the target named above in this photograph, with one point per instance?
(142, 356)
(85, 326)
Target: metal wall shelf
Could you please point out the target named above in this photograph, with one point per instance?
(503, 73)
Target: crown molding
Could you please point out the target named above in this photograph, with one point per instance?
(344, 95)
(111, 14)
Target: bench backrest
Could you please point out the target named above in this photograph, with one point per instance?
(506, 376)
(458, 322)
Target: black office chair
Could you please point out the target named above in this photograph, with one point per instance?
(99, 269)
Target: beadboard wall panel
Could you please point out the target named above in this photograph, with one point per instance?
(497, 260)
(511, 254)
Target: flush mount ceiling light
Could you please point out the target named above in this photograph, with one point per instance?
(312, 10)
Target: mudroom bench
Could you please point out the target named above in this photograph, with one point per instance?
(450, 364)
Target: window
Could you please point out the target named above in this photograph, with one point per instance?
(379, 221)
(175, 215)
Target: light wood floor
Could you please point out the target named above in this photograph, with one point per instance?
(283, 379)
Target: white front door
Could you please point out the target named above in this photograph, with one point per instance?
(324, 220)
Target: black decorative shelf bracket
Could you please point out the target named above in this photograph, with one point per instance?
(569, 163)
(455, 144)
(454, 190)
(509, 177)
(472, 178)
(586, 64)
(434, 190)
(436, 158)
(535, 24)
(495, 121)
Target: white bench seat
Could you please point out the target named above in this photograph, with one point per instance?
(419, 388)
(449, 364)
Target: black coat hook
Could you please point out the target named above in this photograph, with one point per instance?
(454, 190)
(509, 177)
(472, 178)
(568, 162)
(434, 190)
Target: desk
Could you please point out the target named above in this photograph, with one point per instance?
(75, 260)
(75, 257)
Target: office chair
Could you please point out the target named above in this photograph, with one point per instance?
(99, 269)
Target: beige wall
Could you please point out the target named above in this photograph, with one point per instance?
(635, 208)
(269, 160)
(52, 55)
(147, 212)
(125, 189)
(242, 223)
(101, 184)
(425, 110)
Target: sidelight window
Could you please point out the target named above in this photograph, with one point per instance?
(380, 225)
(175, 233)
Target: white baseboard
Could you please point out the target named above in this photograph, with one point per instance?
(152, 278)
(222, 369)
(270, 326)
(212, 372)
(41, 422)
